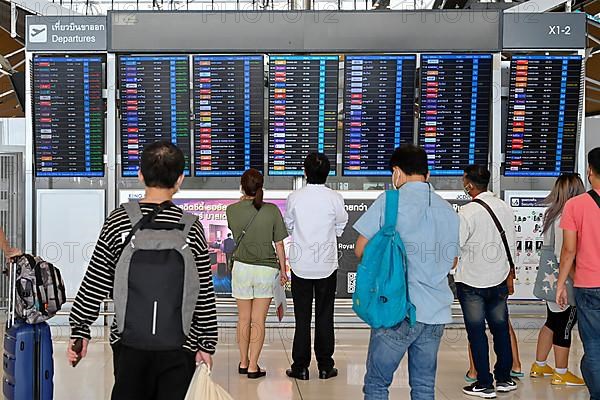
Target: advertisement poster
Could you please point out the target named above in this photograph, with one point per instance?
(211, 213)
(529, 219)
(210, 207)
(348, 262)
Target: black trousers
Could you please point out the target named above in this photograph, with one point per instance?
(151, 375)
(323, 291)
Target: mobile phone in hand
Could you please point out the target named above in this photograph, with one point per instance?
(77, 347)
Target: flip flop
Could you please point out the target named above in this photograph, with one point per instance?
(468, 379)
(515, 374)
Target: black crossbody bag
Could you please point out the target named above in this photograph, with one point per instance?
(510, 280)
(239, 241)
(595, 196)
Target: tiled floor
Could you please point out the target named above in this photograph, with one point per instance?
(92, 379)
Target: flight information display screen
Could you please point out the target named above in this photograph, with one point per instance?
(155, 105)
(379, 99)
(454, 125)
(229, 114)
(543, 112)
(303, 101)
(68, 116)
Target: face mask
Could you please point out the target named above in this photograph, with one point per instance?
(467, 189)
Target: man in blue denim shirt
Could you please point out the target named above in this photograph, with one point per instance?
(429, 228)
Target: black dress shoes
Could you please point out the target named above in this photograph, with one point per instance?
(326, 374)
(301, 374)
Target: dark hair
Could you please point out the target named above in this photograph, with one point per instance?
(478, 175)
(162, 164)
(594, 161)
(316, 167)
(566, 187)
(411, 159)
(252, 184)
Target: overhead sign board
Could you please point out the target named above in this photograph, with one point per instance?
(304, 31)
(544, 31)
(66, 33)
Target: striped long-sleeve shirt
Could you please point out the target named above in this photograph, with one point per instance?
(99, 279)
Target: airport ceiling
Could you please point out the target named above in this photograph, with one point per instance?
(9, 105)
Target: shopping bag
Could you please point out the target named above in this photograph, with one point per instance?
(547, 275)
(202, 387)
(279, 298)
(547, 278)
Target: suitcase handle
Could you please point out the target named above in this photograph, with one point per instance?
(12, 292)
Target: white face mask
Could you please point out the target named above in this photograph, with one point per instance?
(467, 189)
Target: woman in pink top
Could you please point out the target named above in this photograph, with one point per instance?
(581, 238)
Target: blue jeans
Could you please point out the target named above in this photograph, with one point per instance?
(588, 312)
(478, 306)
(387, 348)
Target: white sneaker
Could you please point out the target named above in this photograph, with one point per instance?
(505, 387)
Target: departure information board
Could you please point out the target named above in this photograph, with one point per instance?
(303, 101)
(379, 102)
(155, 105)
(68, 116)
(543, 115)
(229, 114)
(454, 125)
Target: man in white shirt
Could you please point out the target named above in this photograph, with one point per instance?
(315, 217)
(481, 282)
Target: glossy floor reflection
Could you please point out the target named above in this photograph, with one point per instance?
(92, 379)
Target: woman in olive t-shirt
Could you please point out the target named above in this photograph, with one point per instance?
(257, 264)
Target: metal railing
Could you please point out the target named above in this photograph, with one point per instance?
(226, 309)
(11, 211)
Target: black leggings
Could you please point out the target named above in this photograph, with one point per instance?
(561, 324)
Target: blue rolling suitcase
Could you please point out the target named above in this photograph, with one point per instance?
(28, 363)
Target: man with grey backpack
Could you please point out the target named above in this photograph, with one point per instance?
(152, 259)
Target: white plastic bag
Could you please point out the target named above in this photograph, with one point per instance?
(279, 298)
(202, 387)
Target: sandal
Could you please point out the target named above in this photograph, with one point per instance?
(468, 379)
(242, 371)
(258, 374)
(517, 374)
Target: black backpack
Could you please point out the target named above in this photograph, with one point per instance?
(156, 282)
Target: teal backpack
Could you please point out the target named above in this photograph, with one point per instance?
(381, 296)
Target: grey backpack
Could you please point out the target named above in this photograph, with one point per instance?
(156, 282)
(40, 290)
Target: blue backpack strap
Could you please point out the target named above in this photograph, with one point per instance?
(391, 209)
(391, 218)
